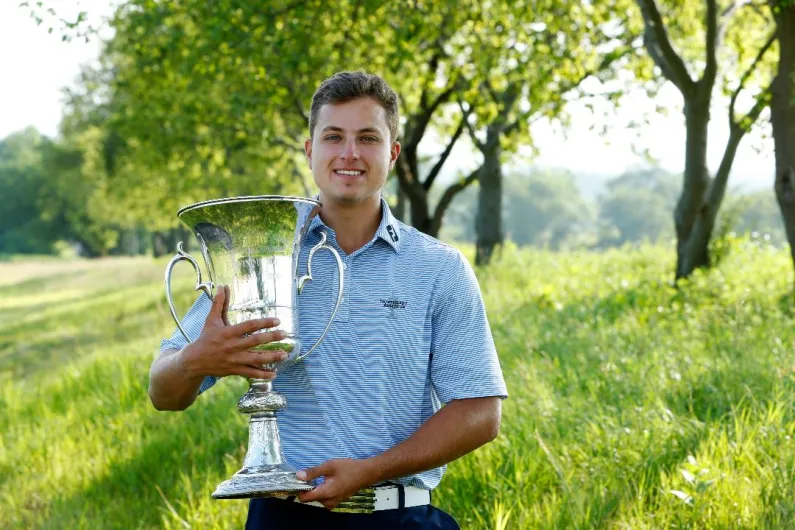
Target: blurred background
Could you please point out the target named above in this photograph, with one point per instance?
(619, 172)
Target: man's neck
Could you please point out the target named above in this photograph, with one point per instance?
(354, 224)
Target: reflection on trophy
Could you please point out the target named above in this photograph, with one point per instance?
(252, 244)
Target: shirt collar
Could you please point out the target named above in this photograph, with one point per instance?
(388, 229)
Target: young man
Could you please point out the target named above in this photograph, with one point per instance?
(411, 333)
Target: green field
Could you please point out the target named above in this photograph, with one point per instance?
(633, 405)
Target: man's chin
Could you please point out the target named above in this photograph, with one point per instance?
(348, 198)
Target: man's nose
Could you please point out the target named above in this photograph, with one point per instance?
(350, 151)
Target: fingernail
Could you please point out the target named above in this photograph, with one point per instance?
(301, 475)
(276, 321)
(283, 356)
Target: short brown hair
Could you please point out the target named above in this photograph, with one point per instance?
(347, 86)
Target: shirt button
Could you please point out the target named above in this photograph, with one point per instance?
(344, 266)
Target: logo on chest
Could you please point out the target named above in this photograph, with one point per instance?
(393, 306)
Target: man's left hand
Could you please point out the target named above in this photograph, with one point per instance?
(344, 477)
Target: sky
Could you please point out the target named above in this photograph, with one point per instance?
(35, 66)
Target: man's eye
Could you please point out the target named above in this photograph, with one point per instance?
(333, 137)
(370, 138)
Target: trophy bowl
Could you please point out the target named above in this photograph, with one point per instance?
(252, 245)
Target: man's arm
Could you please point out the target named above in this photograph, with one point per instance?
(220, 350)
(170, 386)
(456, 429)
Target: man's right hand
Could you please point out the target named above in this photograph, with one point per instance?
(223, 350)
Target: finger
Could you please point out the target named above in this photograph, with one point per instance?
(250, 326)
(253, 373)
(219, 300)
(311, 473)
(257, 339)
(225, 311)
(318, 494)
(257, 358)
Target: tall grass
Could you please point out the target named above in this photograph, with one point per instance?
(632, 404)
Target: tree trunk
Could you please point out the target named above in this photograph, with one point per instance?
(159, 245)
(399, 211)
(488, 222)
(696, 251)
(782, 117)
(420, 217)
(408, 175)
(690, 256)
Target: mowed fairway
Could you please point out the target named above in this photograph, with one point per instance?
(633, 405)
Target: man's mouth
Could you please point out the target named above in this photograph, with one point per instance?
(348, 172)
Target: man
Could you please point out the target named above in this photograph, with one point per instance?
(411, 333)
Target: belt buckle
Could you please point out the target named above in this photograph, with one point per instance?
(363, 501)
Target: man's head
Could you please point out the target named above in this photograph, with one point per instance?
(353, 129)
(347, 86)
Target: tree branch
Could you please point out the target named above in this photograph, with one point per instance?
(747, 74)
(419, 122)
(445, 154)
(712, 44)
(480, 146)
(287, 145)
(660, 49)
(448, 196)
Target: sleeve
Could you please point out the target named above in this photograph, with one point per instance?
(464, 362)
(193, 324)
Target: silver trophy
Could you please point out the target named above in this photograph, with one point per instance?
(252, 244)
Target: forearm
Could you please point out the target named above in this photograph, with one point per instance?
(171, 387)
(455, 430)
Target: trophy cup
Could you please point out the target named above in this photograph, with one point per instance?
(252, 244)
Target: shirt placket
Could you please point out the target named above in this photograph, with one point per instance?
(343, 315)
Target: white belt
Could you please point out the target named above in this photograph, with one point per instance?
(386, 498)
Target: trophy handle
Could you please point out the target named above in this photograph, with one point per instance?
(206, 287)
(308, 277)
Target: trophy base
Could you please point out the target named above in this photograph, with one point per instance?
(264, 481)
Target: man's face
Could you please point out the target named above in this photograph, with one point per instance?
(351, 152)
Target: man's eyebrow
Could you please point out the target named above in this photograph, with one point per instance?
(339, 129)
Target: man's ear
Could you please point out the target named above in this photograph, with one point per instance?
(394, 152)
(308, 151)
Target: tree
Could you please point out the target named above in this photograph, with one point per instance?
(21, 177)
(782, 115)
(636, 207)
(214, 96)
(546, 50)
(545, 209)
(701, 195)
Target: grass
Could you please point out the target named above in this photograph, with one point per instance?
(633, 404)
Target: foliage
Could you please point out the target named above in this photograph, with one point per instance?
(21, 176)
(545, 209)
(632, 404)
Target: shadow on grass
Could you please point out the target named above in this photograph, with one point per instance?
(42, 283)
(194, 442)
(57, 337)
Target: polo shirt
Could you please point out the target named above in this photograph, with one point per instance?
(410, 335)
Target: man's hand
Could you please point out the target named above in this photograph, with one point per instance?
(223, 350)
(344, 477)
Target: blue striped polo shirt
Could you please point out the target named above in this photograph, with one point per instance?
(411, 334)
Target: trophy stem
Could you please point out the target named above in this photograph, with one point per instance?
(265, 472)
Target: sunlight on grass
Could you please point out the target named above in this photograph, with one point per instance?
(633, 405)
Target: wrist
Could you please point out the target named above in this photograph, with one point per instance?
(185, 364)
(375, 470)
